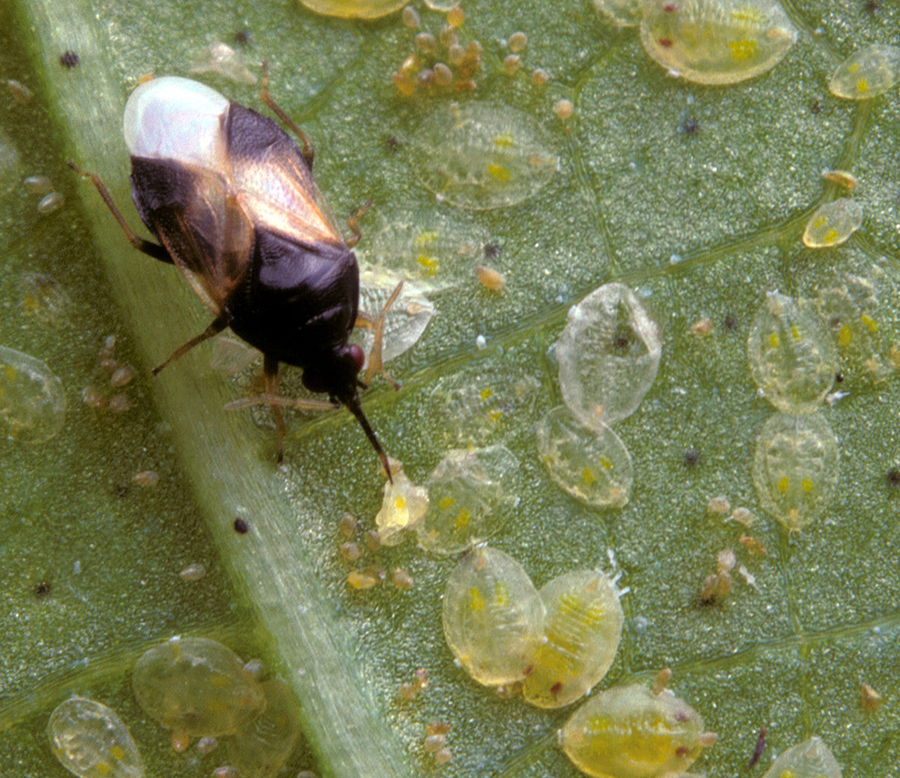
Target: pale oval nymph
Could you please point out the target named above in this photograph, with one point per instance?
(629, 732)
(716, 42)
(792, 355)
(608, 355)
(91, 741)
(197, 687)
(796, 467)
(493, 617)
(582, 626)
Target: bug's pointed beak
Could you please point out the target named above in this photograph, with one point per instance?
(354, 406)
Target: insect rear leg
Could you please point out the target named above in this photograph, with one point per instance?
(218, 324)
(147, 247)
(270, 373)
(308, 152)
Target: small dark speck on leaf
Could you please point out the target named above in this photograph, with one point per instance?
(68, 59)
(730, 322)
(393, 143)
(243, 37)
(871, 6)
(815, 107)
(691, 457)
(42, 589)
(691, 126)
(492, 250)
(838, 377)
(893, 477)
(241, 526)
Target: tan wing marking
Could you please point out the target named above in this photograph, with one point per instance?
(210, 241)
(279, 192)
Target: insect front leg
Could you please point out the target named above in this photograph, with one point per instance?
(270, 373)
(147, 247)
(218, 324)
(308, 152)
(353, 225)
(376, 364)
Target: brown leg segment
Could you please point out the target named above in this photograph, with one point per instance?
(270, 372)
(353, 224)
(308, 152)
(218, 324)
(375, 362)
(147, 247)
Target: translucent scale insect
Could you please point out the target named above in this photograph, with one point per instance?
(792, 355)
(91, 741)
(493, 617)
(219, 57)
(403, 321)
(833, 223)
(629, 732)
(796, 468)
(592, 465)
(810, 759)
(32, 401)
(608, 355)
(716, 41)
(196, 687)
(582, 626)
(481, 156)
(866, 73)
(858, 309)
(262, 746)
(354, 9)
(471, 493)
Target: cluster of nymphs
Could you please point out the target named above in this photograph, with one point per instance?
(794, 362)
(199, 689)
(608, 357)
(554, 645)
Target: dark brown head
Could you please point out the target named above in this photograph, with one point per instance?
(336, 373)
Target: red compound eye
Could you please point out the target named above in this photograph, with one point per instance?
(358, 355)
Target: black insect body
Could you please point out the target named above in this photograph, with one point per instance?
(232, 201)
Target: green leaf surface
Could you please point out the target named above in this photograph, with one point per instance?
(702, 224)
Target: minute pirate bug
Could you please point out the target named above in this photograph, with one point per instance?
(233, 203)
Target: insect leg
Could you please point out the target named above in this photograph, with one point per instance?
(353, 224)
(218, 324)
(375, 361)
(147, 247)
(308, 152)
(270, 372)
